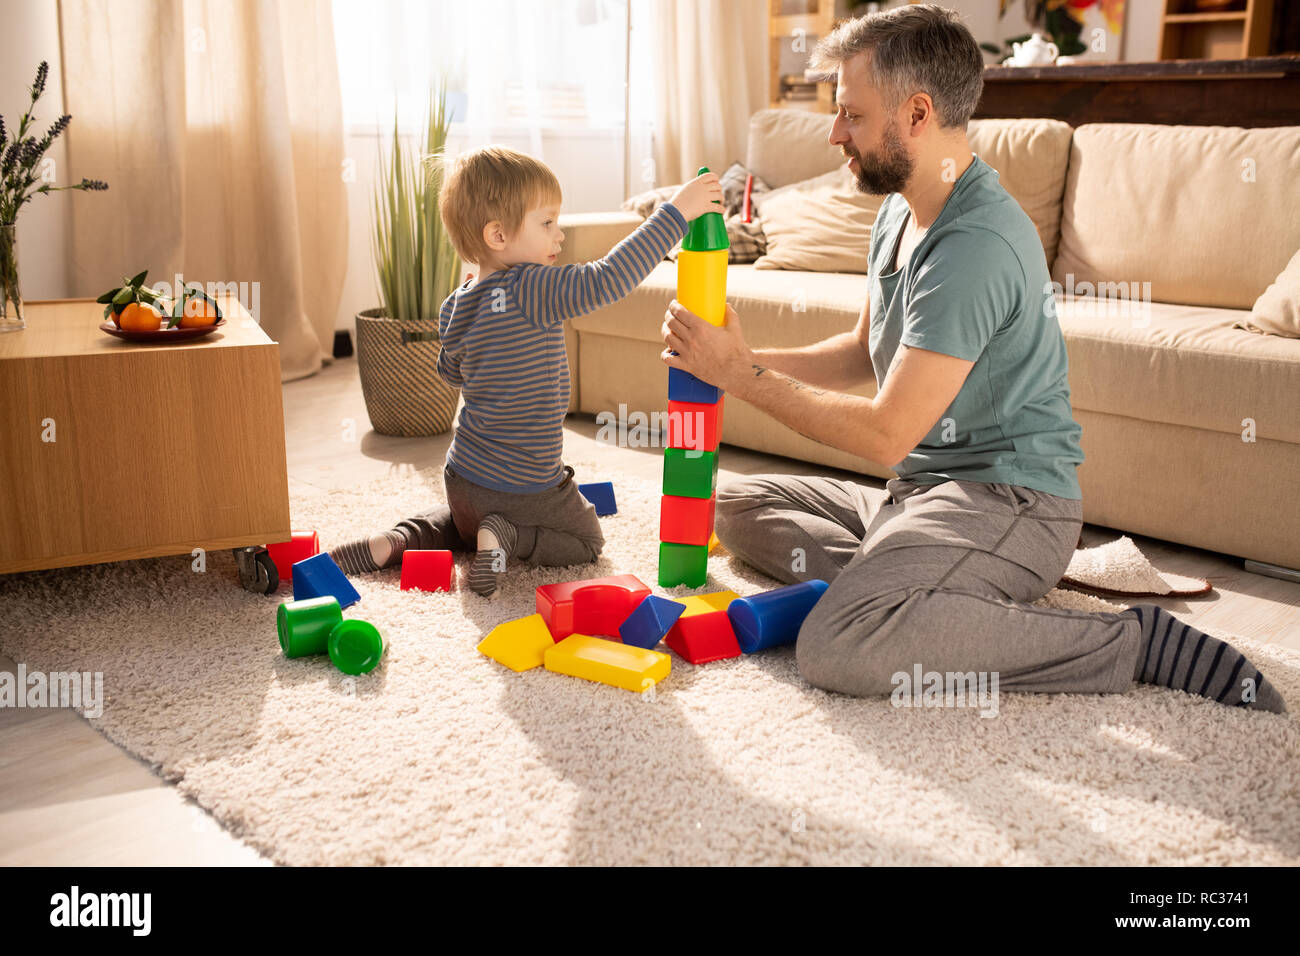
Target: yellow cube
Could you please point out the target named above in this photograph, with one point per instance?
(520, 645)
(608, 662)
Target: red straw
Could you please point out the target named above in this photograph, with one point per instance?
(749, 184)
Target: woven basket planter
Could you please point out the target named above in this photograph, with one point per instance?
(398, 362)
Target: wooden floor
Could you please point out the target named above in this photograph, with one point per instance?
(68, 796)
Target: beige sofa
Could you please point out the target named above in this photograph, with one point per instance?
(1167, 398)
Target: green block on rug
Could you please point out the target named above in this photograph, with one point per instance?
(690, 474)
(683, 564)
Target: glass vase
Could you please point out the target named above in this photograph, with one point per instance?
(11, 301)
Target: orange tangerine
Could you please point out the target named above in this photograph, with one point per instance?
(138, 317)
(198, 311)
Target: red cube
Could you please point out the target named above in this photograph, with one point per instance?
(426, 570)
(694, 425)
(685, 520)
(300, 546)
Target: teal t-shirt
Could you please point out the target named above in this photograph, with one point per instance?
(977, 287)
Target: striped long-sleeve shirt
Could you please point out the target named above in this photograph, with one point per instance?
(503, 346)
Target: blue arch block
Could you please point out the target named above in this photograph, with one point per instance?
(600, 494)
(773, 617)
(652, 619)
(318, 576)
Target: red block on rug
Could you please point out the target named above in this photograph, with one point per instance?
(702, 638)
(427, 570)
(301, 546)
(595, 607)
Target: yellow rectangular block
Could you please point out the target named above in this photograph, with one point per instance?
(519, 645)
(706, 603)
(608, 662)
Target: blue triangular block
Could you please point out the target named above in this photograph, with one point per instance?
(653, 618)
(318, 576)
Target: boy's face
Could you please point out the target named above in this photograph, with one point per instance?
(538, 239)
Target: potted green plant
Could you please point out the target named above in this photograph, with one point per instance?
(417, 266)
(21, 168)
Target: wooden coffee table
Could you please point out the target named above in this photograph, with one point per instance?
(157, 450)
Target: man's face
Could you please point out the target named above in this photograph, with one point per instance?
(868, 134)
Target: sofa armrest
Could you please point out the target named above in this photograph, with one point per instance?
(591, 235)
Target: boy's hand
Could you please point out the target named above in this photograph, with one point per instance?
(702, 194)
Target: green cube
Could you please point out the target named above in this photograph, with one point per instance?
(683, 564)
(690, 474)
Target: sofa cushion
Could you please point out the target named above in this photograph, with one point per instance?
(1031, 157)
(1186, 366)
(1206, 214)
(822, 224)
(1181, 365)
(789, 146)
(1277, 311)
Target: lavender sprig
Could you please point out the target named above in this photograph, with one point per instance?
(20, 156)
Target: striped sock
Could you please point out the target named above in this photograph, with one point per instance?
(1177, 655)
(370, 554)
(496, 545)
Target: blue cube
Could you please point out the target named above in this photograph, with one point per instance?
(653, 618)
(600, 494)
(685, 387)
(318, 576)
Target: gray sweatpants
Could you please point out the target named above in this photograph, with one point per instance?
(936, 575)
(557, 527)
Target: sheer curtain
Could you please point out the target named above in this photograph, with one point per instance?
(219, 130)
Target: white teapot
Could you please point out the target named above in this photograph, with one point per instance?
(1036, 51)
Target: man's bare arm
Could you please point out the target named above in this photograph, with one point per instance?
(840, 362)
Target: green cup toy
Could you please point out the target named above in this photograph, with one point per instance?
(355, 646)
(305, 626)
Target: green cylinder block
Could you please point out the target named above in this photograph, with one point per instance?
(356, 646)
(304, 626)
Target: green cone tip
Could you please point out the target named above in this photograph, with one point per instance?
(708, 232)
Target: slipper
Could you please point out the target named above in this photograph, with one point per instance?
(1119, 568)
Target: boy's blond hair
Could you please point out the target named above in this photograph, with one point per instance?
(486, 184)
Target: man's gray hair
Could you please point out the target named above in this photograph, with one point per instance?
(912, 49)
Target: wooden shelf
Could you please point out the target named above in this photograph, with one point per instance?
(1255, 92)
(1205, 17)
(1214, 34)
(816, 21)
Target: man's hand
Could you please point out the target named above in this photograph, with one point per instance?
(715, 355)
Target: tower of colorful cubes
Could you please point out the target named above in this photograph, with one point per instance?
(694, 415)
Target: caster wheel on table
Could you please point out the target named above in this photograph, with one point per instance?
(257, 571)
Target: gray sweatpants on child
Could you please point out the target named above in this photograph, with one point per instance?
(557, 527)
(937, 575)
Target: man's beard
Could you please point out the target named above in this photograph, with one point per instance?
(889, 172)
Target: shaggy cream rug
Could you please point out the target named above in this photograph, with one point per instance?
(443, 756)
